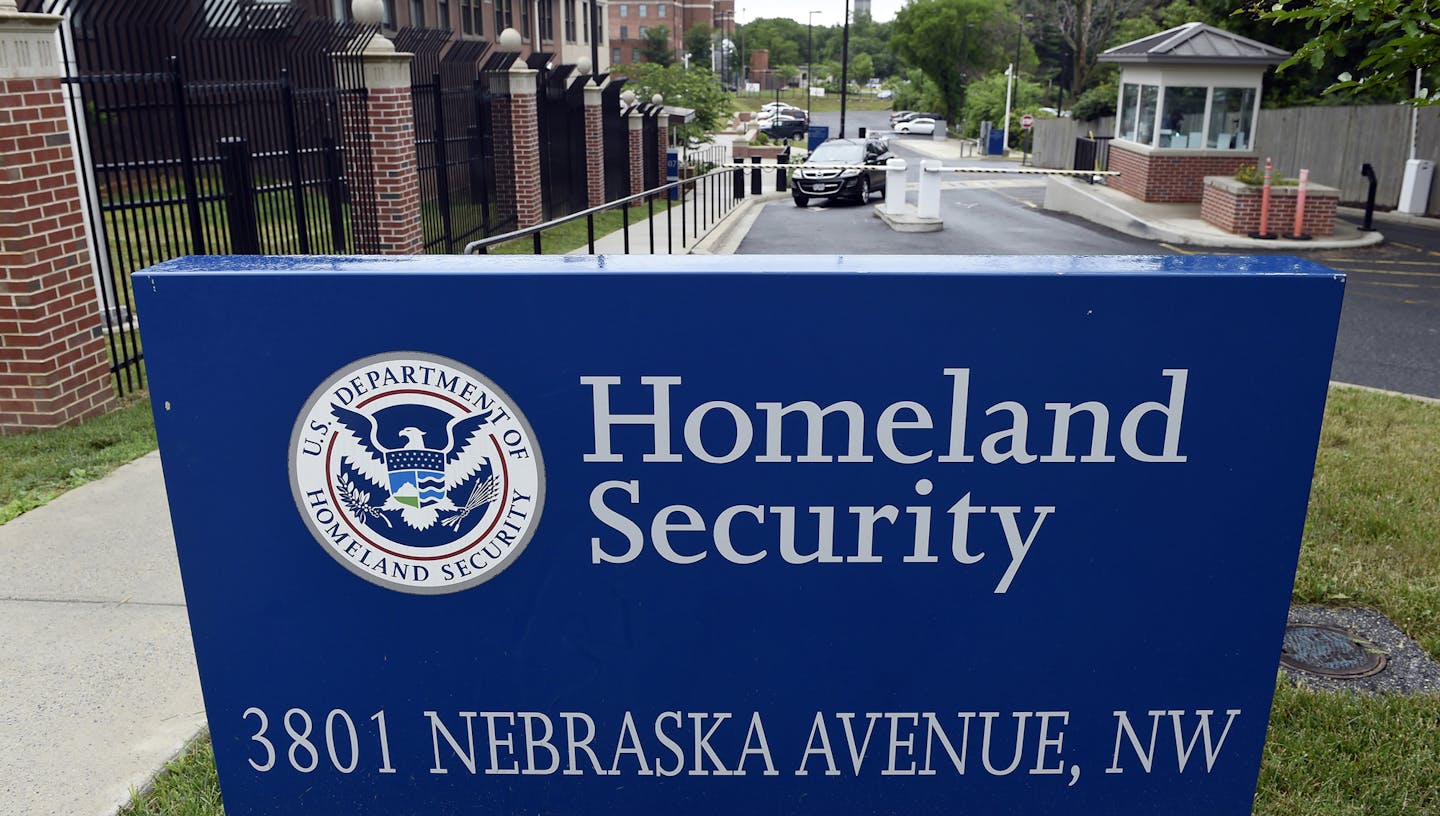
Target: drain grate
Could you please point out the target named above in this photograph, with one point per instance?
(1329, 652)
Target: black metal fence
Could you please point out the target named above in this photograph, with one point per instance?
(560, 108)
(208, 128)
(454, 139)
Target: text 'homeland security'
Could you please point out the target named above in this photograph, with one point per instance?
(768, 528)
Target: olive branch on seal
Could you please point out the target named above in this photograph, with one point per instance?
(483, 493)
(357, 501)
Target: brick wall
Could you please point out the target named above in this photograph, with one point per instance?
(1169, 179)
(637, 156)
(1238, 210)
(517, 146)
(397, 183)
(662, 136)
(54, 368)
(594, 148)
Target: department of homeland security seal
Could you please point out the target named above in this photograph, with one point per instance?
(416, 472)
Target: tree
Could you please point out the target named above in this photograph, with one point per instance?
(952, 40)
(1392, 38)
(862, 68)
(655, 46)
(986, 100)
(697, 43)
(696, 88)
(1086, 26)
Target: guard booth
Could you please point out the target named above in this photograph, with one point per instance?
(1189, 101)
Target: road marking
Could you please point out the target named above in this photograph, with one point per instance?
(1343, 258)
(1408, 246)
(1397, 285)
(1174, 248)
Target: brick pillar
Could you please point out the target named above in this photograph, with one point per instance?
(636, 123)
(516, 127)
(387, 222)
(54, 369)
(594, 145)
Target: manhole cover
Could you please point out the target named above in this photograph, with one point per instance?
(1328, 652)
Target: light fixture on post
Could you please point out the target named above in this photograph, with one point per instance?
(627, 99)
(583, 66)
(509, 41)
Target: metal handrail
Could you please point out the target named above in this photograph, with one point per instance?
(648, 196)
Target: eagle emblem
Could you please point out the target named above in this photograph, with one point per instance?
(418, 478)
(416, 472)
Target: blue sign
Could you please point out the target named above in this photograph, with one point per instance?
(672, 172)
(816, 136)
(718, 535)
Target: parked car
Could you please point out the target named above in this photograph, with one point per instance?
(844, 168)
(896, 116)
(885, 94)
(785, 127)
(908, 115)
(922, 125)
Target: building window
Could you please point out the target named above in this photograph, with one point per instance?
(417, 14)
(585, 19)
(547, 19)
(624, 32)
(442, 15)
(1231, 112)
(644, 10)
(615, 55)
(524, 19)
(388, 16)
(341, 9)
(642, 32)
(659, 9)
(472, 20)
(624, 9)
(569, 21)
(504, 16)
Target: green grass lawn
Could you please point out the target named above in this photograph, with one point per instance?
(829, 103)
(1372, 538)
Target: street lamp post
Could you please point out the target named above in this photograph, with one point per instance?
(844, 67)
(810, 68)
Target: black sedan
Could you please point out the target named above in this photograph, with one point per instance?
(786, 127)
(834, 169)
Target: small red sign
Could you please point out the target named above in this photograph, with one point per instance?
(1027, 120)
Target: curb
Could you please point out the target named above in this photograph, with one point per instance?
(725, 236)
(1392, 217)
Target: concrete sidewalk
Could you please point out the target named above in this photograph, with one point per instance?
(98, 669)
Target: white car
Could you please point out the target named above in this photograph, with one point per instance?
(926, 126)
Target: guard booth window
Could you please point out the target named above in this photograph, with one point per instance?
(1183, 124)
(1231, 111)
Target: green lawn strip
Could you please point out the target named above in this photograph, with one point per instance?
(188, 786)
(1372, 536)
(1347, 755)
(37, 467)
(573, 235)
(829, 103)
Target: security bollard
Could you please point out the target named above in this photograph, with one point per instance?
(928, 202)
(755, 176)
(894, 185)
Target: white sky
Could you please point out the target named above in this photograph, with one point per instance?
(832, 12)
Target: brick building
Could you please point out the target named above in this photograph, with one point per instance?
(628, 22)
(562, 27)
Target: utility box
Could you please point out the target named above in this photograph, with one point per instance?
(941, 131)
(1415, 188)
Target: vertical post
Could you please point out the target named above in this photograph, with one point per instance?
(54, 369)
(334, 192)
(515, 116)
(662, 146)
(894, 185)
(187, 158)
(292, 148)
(844, 67)
(442, 167)
(388, 223)
(1298, 234)
(594, 146)
(1264, 231)
(755, 175)
(240, 215)
(928, 199)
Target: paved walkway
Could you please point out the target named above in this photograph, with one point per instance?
(98, 669)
